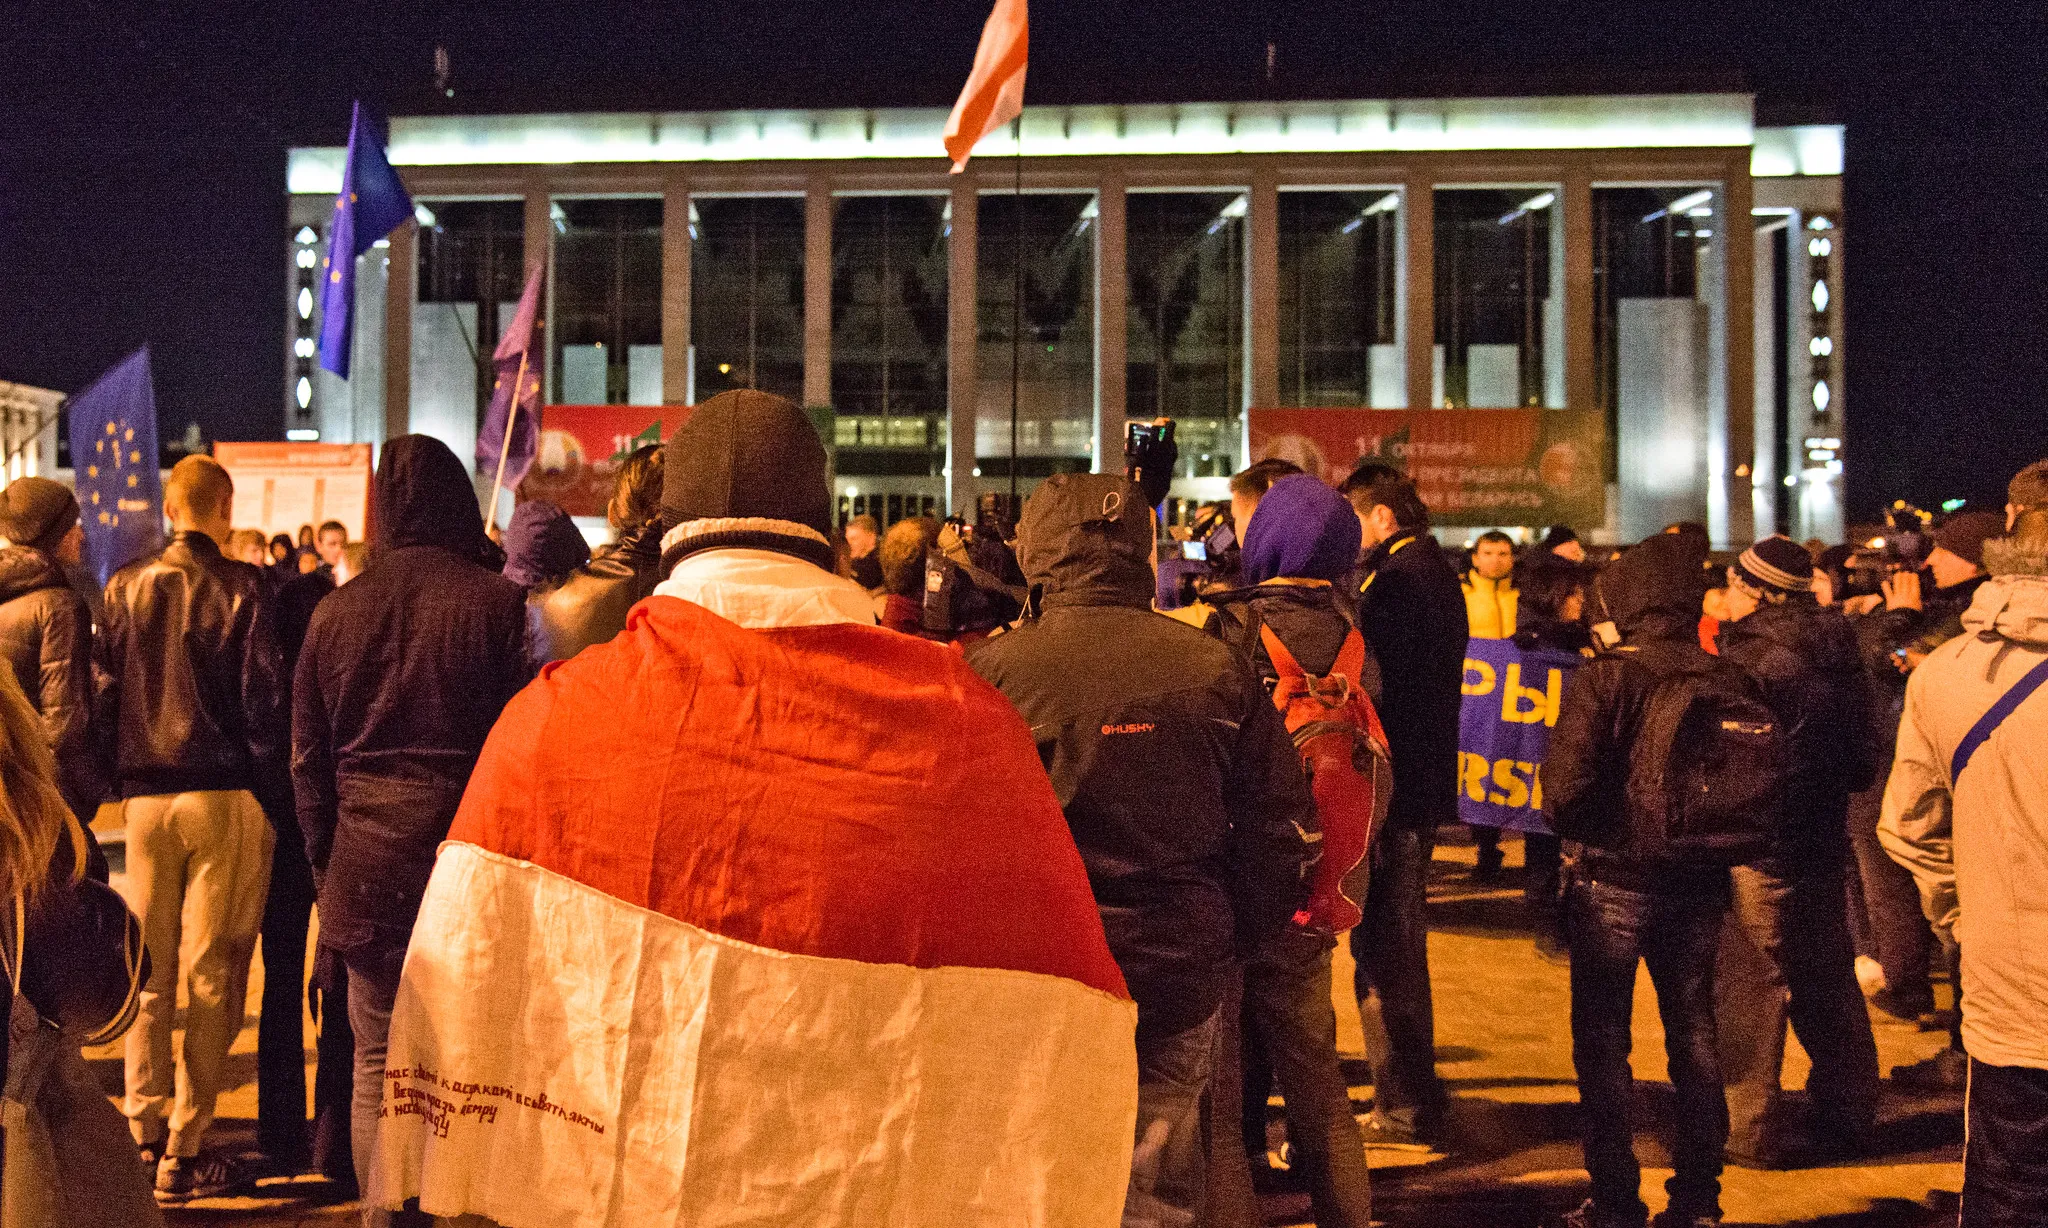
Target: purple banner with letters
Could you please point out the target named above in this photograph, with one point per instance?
(1510, 707)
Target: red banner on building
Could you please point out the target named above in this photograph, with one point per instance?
(581, 447)
(1472, 466)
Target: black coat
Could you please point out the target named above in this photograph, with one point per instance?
(1412, 612)
(188, 672)
(590, 607)
(402, 675)
(46, 638)
(1310, 621)
(1810, 667)
(1649, 595)
(1179, 782)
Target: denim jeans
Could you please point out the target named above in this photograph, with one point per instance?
(371, 993)
(1391, 947)
(2005, 1148)
(1283, 1028)
(1170, 1162)
(1610, 929)
(1791, 913)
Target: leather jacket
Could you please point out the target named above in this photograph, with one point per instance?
(188, 673)
(46, 638)
(590, 607)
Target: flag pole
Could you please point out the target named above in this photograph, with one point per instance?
(1016, 298)
(505, 445)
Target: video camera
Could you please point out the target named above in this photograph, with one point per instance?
(972, 582)
(1906, 543)
(1203, 557)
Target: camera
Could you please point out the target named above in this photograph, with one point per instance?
(1906, 543)
(972, 583)
(1150, 456)
(1207, 559)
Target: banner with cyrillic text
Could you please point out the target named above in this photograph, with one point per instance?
(1510, 707)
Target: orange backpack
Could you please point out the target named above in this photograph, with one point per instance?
(1350, 771)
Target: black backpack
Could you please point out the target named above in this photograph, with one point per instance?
(1709, 766)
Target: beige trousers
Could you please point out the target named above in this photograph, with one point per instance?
(198, 870)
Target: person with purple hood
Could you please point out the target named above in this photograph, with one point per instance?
(1300, 540)
(542, 546)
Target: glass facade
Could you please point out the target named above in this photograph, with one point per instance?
(605, 333)
(1499, 298)
(889, 329)
(747, 295)
(1658, 320)
(1185, 352)
(1055, 364)
(471, 269)
(1341, 301)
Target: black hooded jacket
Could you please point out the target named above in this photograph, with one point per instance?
(1810, 666)
(1650, 595)
(46, 638)
(590, 607)
(403, 673)
(190, 690)
(1184, 794)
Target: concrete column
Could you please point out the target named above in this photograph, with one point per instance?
(1577, 206)
(962, 393)
(1421, 280)
(818, 292)
(1262, 302)
(1738, 243)
(398, 296)
(538, 233)
(1111, 302)
(675, 291)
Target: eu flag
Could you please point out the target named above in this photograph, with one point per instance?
(372, 204)
(113, 455)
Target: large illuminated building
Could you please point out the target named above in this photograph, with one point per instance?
(1657, 270)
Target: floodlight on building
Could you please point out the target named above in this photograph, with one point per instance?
(1820, 297)
(1820, 247)
(1820, 223)
(1821, 347)
(303, 347)
(558, 217)
(307, 235)
(1821, 396)
(305, 303)
(1542, 200)
(304, 392)
(302, 434)
(424, 216)
(306, 258)
(1683, 205)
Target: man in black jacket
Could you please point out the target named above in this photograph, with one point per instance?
(1412, 612)
(1183, 791)
(403, 673)
(590, 607)
(1791, 908)
(1627, 904)
(189, 714)
(46, 630)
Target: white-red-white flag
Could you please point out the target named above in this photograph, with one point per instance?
(995, 89)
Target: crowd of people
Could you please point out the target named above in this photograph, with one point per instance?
(931, 875)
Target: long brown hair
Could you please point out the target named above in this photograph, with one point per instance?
(33, 815)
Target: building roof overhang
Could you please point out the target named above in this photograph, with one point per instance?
(1639, 121)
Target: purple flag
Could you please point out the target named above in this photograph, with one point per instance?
(510, 391)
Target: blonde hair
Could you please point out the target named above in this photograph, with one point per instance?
(198, 485)
(33, 815)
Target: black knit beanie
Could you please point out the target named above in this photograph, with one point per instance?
(747, 470)
(37, 512)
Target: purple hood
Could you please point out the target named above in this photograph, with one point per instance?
(1303, 529)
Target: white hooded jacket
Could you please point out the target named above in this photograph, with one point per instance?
(1975, 833)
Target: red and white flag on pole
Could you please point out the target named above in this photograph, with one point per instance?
(995, 89)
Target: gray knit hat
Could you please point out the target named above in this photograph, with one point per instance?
(37, 512)
(1774, 568)
(747, 470)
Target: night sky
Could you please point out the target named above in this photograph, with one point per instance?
(142, 152)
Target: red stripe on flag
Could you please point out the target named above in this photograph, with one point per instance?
(999, 63)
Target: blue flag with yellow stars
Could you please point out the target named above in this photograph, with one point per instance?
(114, 459)
(372, 204)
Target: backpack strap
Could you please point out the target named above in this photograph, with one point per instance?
(1332, 690)
(1988, 724)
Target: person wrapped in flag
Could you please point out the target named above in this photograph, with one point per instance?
(759, 914)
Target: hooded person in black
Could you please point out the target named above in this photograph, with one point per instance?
(1625, 904)
(404, 671)
(1183, 791)
(46, 630)
(1789, 955)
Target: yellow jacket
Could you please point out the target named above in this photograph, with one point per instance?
(1490, 606)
